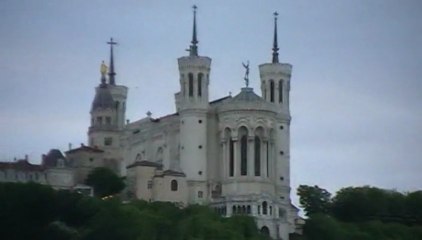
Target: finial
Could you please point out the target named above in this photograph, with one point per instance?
(111, 72)
(275, 43)
(103, 70)
(193, 51)
(246, 78)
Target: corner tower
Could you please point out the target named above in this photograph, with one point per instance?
(275, 86)
(275, 77)
(192, 105)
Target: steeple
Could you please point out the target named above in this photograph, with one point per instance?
(111, 72)
(275, 42)
(193, 51)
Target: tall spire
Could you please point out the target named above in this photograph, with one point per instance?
(111, 72)
(194, 48)
(275, 43)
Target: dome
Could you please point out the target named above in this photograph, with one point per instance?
(103, 98)
(247, 95)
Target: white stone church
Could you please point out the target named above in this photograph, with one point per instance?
(231, 153)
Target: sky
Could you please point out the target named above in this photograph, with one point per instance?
(356, 86)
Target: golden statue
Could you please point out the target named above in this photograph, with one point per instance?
(103, 69)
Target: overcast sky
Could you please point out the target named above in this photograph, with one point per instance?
(356, 87)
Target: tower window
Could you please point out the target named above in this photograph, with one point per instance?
(108, 120)
(200, 75)
(264, 208)
(190, 85)
(99, 120)
(173, 185)
(149, 186)
(271, 91)
(280, 91)
(108, 141)
(200, 194)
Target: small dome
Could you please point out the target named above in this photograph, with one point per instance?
(52, 157)
(103, 98)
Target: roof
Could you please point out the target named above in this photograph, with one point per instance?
(84, 148)
(220, 100)
(103, 98)
(22, 165)
(145, 164)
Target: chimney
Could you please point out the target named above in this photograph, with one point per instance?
(70, 146)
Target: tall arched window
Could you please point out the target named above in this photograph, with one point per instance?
(173, 185)
(264, 207)
(244, 155)
(190, 85)
(200, 75)
(280, 91)
(257, 162)
(271, 91)
(231, 158)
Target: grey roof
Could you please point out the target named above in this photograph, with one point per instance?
(247, 95)
(50, 160)
(103, 98)
(145, 163)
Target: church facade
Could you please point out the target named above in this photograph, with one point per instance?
(232, 153)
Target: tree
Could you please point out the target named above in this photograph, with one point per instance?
(314, 199)
(105, 182)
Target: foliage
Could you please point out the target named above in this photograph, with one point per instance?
(105, 182)
(314, 199)
(32, 211)
(364, 213)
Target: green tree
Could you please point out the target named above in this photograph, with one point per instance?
(314, 199)
(105, 182)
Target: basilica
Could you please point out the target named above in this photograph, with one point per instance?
(232, 153)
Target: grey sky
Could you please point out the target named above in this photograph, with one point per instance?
(356, 91)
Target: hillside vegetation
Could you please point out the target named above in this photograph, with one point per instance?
(361, 213)
(33, 211)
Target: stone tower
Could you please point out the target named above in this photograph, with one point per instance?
(108, 116)
(275, 87)
(192, 105)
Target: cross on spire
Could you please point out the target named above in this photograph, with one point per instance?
(275, 42)
(111, 72)
(193, 51)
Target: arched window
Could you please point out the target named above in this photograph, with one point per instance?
(280, 91)
(239, 210)
(248, 209)
(265, 231)
(264, 207)
(244, 155)
(234, 210)
(243, 209)
(190, 85)
(271, 91)
(173, 185)
(271, 210)
(231, 158)
(257, 164)
(200, 75)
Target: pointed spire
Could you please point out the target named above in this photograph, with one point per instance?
(193, 51)
(275, 42)
(111, 72)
